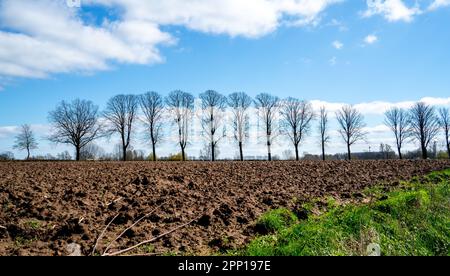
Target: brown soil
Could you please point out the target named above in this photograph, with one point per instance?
(46, 206)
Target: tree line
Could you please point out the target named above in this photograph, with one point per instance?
(80, 122)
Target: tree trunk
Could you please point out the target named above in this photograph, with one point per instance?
(448, 146)
(448, 150)
(296, 153)
(78, 153)
(349, 156)
(241, 152)
(269, 154)
(213, 152)
(183, 155)
(124, 153)
(323, 150)
(424, 152)
(154, 151)
(28, 154)
(399, 153)
(124, 147)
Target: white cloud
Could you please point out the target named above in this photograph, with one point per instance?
(7, 131)
(378, 129)
(250, 18)
(340, 25)
(436, 101)
(45, 37)
(370, 39)
(333, 61)
(48, 37)
(337, 44)
(392, 10)
(439, 4)
(379, 107)
(41, 38)
(10, 131)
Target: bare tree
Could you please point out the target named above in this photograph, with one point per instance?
(121, 112)
(398, 122)
(25, 140)
(213, 108)
(6, 156)
(444, 120)
(75, 123)
(424, 125)
(288, 155)
(205, 152)
(62, 156)
(296, 120)
(239, 102)
(152, 105)
(181, 105)
(268, 107)
(351, 123)
(135, 154)
(92, 152)
(323, 129)
(386, 151)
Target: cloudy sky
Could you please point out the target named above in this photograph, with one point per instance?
(374, 54)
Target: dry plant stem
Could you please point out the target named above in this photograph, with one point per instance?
(102, 234)
(145, 254)
(134, 224)
(120, 252)
(114, 201)
(2, 227)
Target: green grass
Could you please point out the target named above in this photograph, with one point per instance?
(33, 224)
(276, 220)
(414, 220)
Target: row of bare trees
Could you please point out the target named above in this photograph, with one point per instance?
(421, 122)
(80, 122)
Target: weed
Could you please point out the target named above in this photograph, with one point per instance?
(276, 220)
(148, 248)
(33, 224)
(21, 241)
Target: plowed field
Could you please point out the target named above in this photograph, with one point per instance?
(46, 206)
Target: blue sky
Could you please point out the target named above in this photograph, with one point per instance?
(358, 52)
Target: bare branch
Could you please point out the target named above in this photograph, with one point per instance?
(239, 102)
(152, 105)
(181, 106)
(25, 140)
(213, 107)
(323, 130)
(268, 106)
(134, 224)
(102, 234)
(121, 112)
(296, 118)
(75, 123)
(444, 120)
(120, 252)
(424, 125)
(398, 122)
(91, 152)
(146, 254)
(351, 123)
